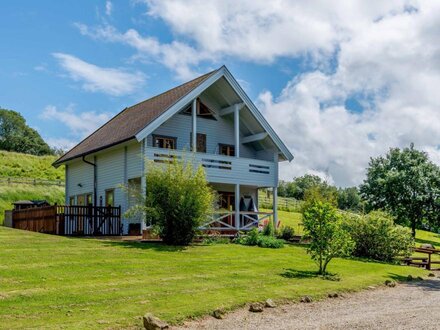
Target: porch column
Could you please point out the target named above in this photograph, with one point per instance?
(237, 130)
(143, 182)
(275, 206)
(237, 206)
(194, 125)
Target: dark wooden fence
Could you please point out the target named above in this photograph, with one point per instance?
(70, 220)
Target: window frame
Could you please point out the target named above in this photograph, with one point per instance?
(165, 137)
(230, 146)
(107, 192)
(197, 144)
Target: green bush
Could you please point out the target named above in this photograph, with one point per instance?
(322, 224)
(377, 237)
(178, 200)
(286, 233)
(269, 229)
(255, 238)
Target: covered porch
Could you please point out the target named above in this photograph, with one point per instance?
(238, 209)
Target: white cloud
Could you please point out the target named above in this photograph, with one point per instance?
(111, 81)
(384, 54)
(108, 8)
(79, 124)
(61, 143)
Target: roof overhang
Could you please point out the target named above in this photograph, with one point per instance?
(222, 72)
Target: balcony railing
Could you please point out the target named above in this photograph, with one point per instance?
(222, 169)
(225, 221)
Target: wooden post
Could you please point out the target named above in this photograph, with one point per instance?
(237, 130)
(194, 125)
(237, 206)
(275, 207)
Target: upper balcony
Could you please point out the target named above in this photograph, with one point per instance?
(223, 169)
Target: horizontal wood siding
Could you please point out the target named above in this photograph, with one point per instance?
(217, 131)
(111, 175)
(134, 161)
(79, 178)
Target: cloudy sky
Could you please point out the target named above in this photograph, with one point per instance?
(340, 81)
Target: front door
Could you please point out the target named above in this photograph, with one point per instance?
(227, 203)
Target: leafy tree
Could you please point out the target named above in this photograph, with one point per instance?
(323, 225)
(377, 237)
(16, 135)
(350, 199)
(406, 184)
(177, 202)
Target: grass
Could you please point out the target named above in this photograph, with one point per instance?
(16, 165)
(48, 281)
(15, 192)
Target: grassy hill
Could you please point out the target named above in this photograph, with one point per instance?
(22, 167)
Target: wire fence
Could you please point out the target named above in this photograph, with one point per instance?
(30, 181)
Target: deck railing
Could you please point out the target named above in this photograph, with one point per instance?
(69, 220)
(225, 220)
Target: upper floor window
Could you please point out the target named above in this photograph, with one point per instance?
(110, 197)
(226, 149)
(202, 110)
(201, 142)
(166, 142)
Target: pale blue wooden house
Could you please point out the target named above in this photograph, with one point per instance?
(210, 119)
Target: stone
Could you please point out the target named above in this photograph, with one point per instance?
(256, 307)
(390, 283)
(153, 323)
(371, 287)
(431, 275)
(427, 246)
(419, 278)
(409, 278)
(306, 299)
(270, 303)
(219, 313)
(333, 295)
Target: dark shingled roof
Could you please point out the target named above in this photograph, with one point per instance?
(130, 121)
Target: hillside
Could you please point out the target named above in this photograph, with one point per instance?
(22, 167)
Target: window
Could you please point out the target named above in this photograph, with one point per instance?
(166, 142)
(110, 197)
(202, 110)
(72, 200)
(226, 149)
(89, 199)
(81, 201)
(201, 142)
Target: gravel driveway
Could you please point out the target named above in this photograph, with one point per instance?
(415, 305)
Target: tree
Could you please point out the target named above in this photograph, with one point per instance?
(323, 225)
(177, 202)
(16, 135)
(350, 199)
(407, 185)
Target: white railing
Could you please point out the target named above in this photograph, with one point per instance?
(225, 220)
(222, 169)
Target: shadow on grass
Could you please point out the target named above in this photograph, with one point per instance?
(304, 274)
(157, 246)
(429, 284)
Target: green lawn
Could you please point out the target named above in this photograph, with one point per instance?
(51, 281)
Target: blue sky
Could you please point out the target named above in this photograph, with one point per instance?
(338, 83)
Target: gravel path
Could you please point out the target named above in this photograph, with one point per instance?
(415, 305)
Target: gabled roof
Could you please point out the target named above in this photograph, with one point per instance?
(130, 121)
(142, 119)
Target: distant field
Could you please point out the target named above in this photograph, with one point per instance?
(52, 281)
(18, 166)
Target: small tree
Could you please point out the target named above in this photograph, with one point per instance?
(323, 225)
(177, 201)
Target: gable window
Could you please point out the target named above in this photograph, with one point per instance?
(226, 149)
(165, 142)
(201, 142)
(202, 110)
(110, 197)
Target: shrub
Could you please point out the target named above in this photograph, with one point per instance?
(286, 233)
(178, 200)
(322, 224)
(254, 237)
(377, 237)
(269, 229)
